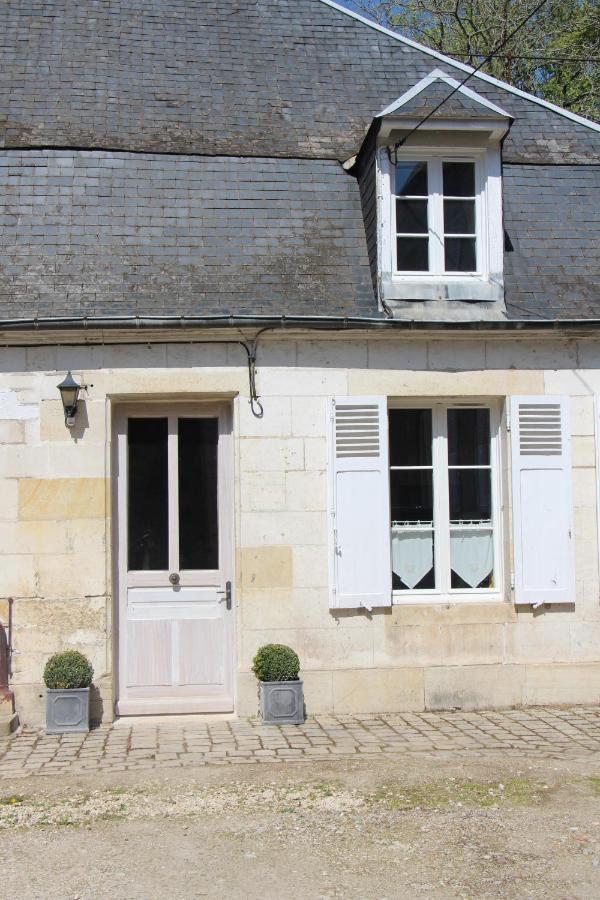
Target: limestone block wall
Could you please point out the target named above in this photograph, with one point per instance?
(53, 525)
(55, 518)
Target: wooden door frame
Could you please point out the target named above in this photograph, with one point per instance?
(120, 411)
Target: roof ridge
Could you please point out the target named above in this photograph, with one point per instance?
(581, 120)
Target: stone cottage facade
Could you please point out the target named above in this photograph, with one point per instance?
(339, 366)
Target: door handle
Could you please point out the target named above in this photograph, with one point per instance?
(226, 595)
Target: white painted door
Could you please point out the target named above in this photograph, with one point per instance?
(173, 541)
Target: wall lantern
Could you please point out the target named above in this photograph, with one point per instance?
(69, 394)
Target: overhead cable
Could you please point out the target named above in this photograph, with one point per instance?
(468, 77)
(518, 56)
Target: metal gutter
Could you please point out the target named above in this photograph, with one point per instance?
(323, 323)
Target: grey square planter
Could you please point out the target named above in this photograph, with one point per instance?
(67, 710)
(281, 702)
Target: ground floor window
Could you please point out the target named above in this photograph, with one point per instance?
(444, 498)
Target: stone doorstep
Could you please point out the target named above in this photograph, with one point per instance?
(8, 723)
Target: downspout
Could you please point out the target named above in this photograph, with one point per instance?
(255, 402)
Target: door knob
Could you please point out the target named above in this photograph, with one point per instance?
(174, 578)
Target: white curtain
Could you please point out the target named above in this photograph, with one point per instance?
(412, 551)
(472, 551)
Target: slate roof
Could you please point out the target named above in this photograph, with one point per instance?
(240, 77)
(97, 233)
(552, 222)
(181, 157)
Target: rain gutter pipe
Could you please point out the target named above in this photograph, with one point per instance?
(321, 323)
(277, 323)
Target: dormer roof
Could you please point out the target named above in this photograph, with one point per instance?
(459, 101)
(439, 101)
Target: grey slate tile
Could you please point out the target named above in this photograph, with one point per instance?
(241, 77)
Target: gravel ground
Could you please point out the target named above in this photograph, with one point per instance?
(440, 827)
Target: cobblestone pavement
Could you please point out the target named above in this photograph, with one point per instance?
(541, 732)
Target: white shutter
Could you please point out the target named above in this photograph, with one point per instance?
(542, 502)
(359, 503)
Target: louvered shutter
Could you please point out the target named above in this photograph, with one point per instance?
(542, 502)
(359, 503)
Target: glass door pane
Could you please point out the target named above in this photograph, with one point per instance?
(411, 486)
(148, 494)
(198, 512)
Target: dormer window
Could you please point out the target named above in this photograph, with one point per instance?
(440, 203)
(441, 232)
(435, 207)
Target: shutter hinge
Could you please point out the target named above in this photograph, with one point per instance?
(512, 581)
(508, 418)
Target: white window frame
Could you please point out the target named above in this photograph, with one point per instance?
(487, 280)
(444, 593)
(435, 217)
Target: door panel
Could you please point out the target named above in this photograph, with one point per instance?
(148, 653)
(200, 652)
(174, 603)
(174, 555)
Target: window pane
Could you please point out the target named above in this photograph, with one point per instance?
(459, 179)
(198, 519)
(470, 495)
(460, 254)
(468, 437)
(412, 495)
(413, 254)
(411, 216)
(410, 437)
(148, 494)
(459, 216)
(411, 179)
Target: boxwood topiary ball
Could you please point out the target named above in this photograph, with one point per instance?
(276, 662)
(68, 670)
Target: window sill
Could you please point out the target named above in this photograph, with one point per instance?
(428, 598)
(474, 289)
(444, 310)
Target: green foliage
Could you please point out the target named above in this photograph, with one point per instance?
(470, 29)
(398, 795)
(276, 662)
(594, 782)
(68, 670)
